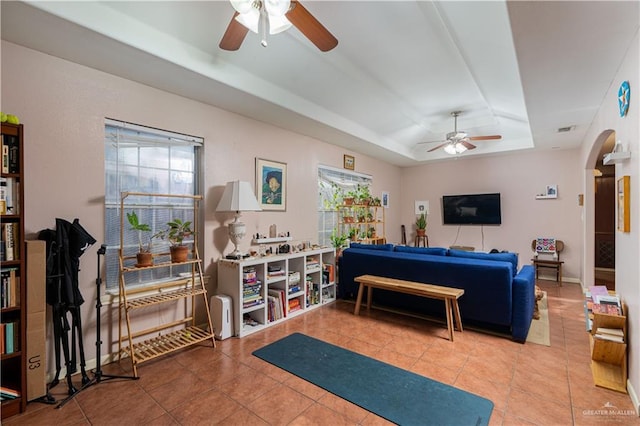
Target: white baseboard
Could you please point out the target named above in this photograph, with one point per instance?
(89, 367)
(634, 397)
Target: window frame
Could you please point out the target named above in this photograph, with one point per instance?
(183, 155)
(347, 180)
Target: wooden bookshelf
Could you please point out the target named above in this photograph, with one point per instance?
(609, 358)
(13, 361)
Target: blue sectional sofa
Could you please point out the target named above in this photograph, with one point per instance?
(496, 296)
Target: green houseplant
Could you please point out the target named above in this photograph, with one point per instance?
(175, 233)
(421, 224)
(338, 241)
(144, 256)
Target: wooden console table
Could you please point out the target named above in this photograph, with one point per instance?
(448, 294)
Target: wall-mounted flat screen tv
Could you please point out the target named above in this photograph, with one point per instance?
(471, 209)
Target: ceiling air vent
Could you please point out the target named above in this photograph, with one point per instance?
(566, 129)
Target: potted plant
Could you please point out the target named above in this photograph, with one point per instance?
(176, 232)
(338, 241)
(144, 256)
(353, 234)
(350, 197)
(363, 195)
(421, 225)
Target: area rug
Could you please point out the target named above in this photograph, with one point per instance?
(399, 396)
(539, 330)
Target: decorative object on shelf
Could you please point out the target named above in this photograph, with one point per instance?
(551, 192)
(349, 162)
(421, 207)
(271, 184)
(624, 96)
(237, 197)
(624, 207)
(144, 256)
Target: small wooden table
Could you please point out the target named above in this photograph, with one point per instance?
(448, 294)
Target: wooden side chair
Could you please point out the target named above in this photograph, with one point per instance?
(547, 256)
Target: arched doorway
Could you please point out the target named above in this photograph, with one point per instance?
(604, 214)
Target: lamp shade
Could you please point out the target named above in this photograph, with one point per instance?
(238, 197)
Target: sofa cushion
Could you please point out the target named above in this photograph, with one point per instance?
(502, 257)
(383, 247)
(422, 250)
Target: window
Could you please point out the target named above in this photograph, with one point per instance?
(147, 160)
(330, 180)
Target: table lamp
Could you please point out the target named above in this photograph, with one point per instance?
(237, 197)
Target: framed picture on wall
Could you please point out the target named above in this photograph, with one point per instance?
(385, 199)
(624, 219)
(421, 207)
(349, 162)
(271, 184)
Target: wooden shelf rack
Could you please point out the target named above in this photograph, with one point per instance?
(166, 337)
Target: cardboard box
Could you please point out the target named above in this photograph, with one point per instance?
(36, 260)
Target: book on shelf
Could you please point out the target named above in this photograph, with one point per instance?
(9, 190)
(13, 153)
(611, 331)
(5, 156)
(598, 290)
(294, 305)
(330, 272)
(9, 288)
(9, 393)
(11, 330)
(609, 337)
(605, 308)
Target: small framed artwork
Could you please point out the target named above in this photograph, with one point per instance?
(422, 207)
(624, 219)
(271, 184)
(349, 162)
(385, 199)
(552, 191)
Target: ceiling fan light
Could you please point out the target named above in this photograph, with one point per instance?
(460, 148)
(278, 24)
(450, 149)
(277, 7)
(242, 6)
(250, 19)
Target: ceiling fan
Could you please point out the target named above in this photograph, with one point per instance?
(457, 141)
(273, 17)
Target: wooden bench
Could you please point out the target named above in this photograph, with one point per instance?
(448, 294)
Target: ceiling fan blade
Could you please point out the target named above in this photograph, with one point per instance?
(439, 146)
(234, 35)
(467, 144)
(484, 138)
(311, 27)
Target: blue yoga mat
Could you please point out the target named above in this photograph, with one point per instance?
(398, 395)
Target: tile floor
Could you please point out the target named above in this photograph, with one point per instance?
(529, 384)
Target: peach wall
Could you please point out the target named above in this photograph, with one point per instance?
(63, 106)
(518, 177)
(627, 130)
